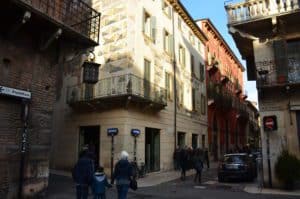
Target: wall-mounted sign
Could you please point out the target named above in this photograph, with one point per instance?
(112, 131)
(270, 123)
(14, 92)
(135, 132)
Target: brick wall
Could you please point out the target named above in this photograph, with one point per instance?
(36, 71)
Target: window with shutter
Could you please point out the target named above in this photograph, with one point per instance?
(280, 54)
(192, 65)
(182, 56)
(202, 72)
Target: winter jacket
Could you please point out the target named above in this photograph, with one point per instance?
(83, 171)
(122, 173)
(99, 183)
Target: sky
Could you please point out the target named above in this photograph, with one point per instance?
(215, 11)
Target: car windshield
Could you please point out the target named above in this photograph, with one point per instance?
(235, 159)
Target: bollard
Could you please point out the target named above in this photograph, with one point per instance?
(259, 171)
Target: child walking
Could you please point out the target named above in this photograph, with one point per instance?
(99, 184)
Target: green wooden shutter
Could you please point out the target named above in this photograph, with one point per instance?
(280, 54)
(153, 28)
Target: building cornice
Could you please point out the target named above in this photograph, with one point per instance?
(181, 10)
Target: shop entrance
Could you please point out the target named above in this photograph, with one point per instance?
(89, 136)
(152, 149)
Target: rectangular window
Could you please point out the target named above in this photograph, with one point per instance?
(202, 72)
(179, 23)
(168, 85)
(194, 99)
(149, 24)
(168, 42)
(181, 94)
(182, 56)
(203, 104)
(192, 65)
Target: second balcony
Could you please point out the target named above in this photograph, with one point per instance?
(117, 91)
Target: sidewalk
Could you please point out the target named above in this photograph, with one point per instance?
(253, 188)
(166, 176)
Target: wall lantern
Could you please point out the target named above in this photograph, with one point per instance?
(90, 72)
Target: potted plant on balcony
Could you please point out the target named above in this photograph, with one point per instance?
(287, 169)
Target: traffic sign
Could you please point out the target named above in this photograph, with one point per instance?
(135, 132)
(270, 123)
(112, 131)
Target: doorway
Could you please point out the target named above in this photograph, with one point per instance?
(298, 126)
(152, 149)
(195, 141)
(181, 139)
(90, 136)
(215, 139)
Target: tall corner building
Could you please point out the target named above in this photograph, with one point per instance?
(151, 81)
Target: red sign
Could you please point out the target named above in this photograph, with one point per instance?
(270, 123)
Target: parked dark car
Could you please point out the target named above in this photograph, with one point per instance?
(236, 166)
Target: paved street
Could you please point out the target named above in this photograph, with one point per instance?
(62, 187)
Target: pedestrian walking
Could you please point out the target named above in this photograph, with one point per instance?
(206, 158)
(83, 175)
(123, 175)
(99, 184)
(183, 162)
(198, 165)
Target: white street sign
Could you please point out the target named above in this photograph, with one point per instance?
(14, 92)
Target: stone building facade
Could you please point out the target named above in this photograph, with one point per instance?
(142, 43)
(267, 34)
(228, 112)
(35, 43)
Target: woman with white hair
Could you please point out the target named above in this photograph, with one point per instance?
(123, 175)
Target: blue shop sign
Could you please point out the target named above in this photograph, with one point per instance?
(135, 132)
(112, 131)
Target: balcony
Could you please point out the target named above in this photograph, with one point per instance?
(76, 19)
(259, 9)
(218, 97)
(242, 109)
(118, 91)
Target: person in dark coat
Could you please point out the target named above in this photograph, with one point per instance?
(123, 174)
(99, 184)
(83, 175)
(198, 165)
(183, 162)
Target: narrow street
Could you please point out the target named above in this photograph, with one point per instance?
(62, 188)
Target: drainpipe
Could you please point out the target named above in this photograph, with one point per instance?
(174, 82)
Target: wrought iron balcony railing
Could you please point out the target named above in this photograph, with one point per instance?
(73, 14)
(118, 86)
(256, 9)
(221, 98)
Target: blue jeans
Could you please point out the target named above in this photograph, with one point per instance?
(122, 191)
(99, 196)
(82, 191)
